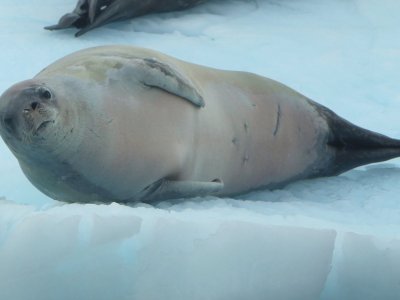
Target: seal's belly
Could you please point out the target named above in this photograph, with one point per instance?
(258, 138)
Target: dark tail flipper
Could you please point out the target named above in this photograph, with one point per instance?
(354, 146)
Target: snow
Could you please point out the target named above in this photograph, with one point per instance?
(327, 238)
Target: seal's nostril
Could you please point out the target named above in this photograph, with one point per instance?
(34, 105)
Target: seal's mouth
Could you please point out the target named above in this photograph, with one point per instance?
(42, 126)
(38, 116)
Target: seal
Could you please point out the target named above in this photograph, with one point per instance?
(90, 14)
(118, 123)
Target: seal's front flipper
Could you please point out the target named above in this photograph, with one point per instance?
(96, 7)
(154, 73)
(102, 12)
(163, 76)
(167, 189)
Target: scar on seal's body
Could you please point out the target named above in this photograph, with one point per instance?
(278, 118)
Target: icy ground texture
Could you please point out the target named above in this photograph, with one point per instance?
(329, 238)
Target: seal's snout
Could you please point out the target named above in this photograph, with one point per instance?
(33, 106)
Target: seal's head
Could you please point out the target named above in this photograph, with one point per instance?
(26, 112)
(39, 123)
(32, 118)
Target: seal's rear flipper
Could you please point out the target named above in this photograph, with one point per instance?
(167, 189)
(355, 146)
(77, 18)
(66, 21)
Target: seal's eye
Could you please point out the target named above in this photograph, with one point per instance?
(44, 93)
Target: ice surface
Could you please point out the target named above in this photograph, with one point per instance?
(369, 268)
(113, 252)
(328, 238)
